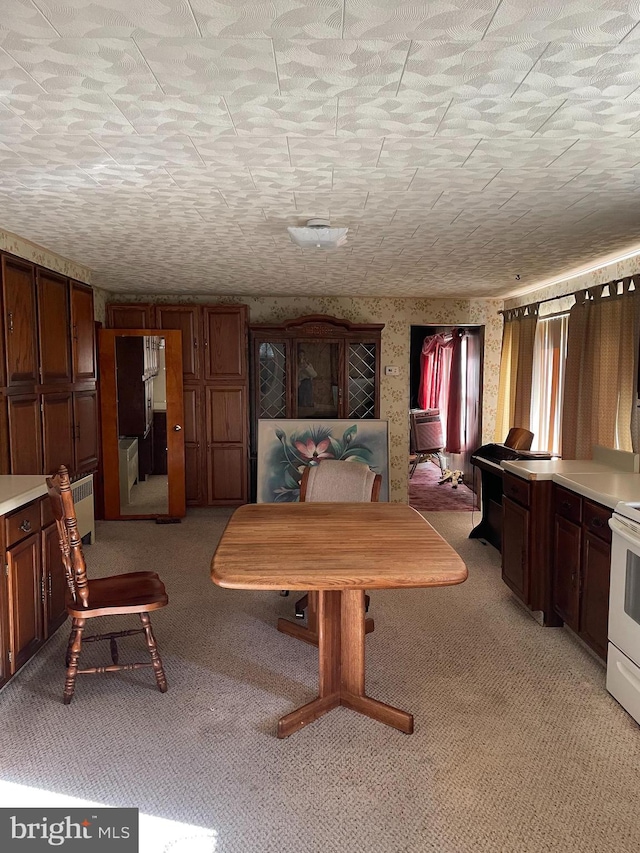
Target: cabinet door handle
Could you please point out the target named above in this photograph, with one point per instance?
(566, 505)
(177, 428)
(26, 526)
(195, 343)
(596, 522)
(10, 319)
(75, 332)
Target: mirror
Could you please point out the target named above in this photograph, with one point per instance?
(141, 407)
(141, 392)
(317, 379)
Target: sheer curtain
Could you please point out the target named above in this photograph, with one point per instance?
(549, 360)
(516, 370)
(601, 378)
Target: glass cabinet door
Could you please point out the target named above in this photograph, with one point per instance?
(362, 380)
(272, 379)
(317, 378)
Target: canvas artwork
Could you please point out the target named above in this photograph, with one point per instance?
(286, 447)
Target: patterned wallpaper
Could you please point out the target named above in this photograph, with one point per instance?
(36, 254)
(397, 315)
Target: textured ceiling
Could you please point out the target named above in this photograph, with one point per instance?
(167, 144)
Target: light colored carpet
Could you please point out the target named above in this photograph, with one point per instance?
(149, 496)
(517, 745)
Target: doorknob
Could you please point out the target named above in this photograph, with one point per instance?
(177, 428)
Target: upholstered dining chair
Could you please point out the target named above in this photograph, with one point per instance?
(135, 592)
(336, 481)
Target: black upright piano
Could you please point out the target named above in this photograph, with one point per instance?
(488, 458)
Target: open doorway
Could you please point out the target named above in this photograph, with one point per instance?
(446, 388)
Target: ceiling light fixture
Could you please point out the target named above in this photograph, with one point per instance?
(318, 234)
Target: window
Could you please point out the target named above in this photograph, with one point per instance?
(549, 360)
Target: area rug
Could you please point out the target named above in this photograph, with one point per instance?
(425, 493)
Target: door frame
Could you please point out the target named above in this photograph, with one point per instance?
(109, 421)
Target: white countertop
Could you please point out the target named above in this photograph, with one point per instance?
(606, 487)
(545, 469)
(16, 490)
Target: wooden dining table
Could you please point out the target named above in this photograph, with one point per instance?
(340, 550)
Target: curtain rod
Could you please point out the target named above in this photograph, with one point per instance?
(615, 281)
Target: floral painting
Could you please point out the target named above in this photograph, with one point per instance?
(287, 447)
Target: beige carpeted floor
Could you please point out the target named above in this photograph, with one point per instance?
(517, 745)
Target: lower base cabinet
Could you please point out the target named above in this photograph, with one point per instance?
(582, 567)
(33, 588)
(526, 543)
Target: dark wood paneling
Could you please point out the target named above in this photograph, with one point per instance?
(57, 431)
(83, 332)
(227, 474)
(20, 328)
(54, 328)
(26, 594)
(86, 421)
(186, 319)
(225, 342)
(25, 432)
(130, 316)
(566, 576)
(594, 601)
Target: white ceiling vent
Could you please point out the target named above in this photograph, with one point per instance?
(318, 234)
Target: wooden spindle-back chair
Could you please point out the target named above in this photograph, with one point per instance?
(135, 592)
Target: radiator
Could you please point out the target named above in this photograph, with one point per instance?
(82, 491)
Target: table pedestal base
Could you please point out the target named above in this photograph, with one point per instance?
(341, 632)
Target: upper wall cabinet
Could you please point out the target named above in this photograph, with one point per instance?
(20, 328)
(47, 371)
(186, 318)
(83, 333)
(53, 328)
(130, 316)
(225, 342)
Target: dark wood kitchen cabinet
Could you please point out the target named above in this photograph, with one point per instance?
(83, 333)
(130, 316)
(47, 358)
(215, 387)
(32, 584)
(86, 430)
(527, 543)
(26, 598)
(25, 434)
(582, 565)
(54, 328)
(20, 323)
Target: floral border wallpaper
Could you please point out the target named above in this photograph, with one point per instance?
(398, 315)
(38, 255)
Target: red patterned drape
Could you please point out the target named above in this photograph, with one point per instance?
(455, 400)
(442, 385)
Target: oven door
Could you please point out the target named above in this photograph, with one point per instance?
(624, 598)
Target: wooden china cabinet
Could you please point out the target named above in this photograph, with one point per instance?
(314, 367)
